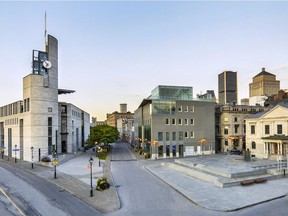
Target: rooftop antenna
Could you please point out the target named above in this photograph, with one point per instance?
(45, 33)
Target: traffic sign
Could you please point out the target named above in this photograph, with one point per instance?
(54, 162)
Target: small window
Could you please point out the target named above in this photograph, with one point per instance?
(167, 121)
(186, 134)
(179, 108)
(192, 134)
(180, 121)
(226, 142)
(235, 119)
(192, 109)
(173, 121)
(192, 121)
(186, 109)
(50, 109)
(252, 129)
(186, 121)
(253, 145)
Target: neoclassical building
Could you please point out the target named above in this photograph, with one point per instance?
(267, 133)
(230, 126)
(39, 120)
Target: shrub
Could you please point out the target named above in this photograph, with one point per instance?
(147, 155)
(46, 159)
(102, 184)
(102, 155)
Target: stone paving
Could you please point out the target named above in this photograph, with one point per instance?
(221, 199)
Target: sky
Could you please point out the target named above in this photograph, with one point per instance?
(113, 52)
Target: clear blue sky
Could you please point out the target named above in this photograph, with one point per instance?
(117, 52)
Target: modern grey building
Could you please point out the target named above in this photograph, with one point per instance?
(39, 121)
(170, 123)
(227, 88)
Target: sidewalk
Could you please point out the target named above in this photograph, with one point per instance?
(73, 176)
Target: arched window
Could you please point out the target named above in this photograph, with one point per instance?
(253, 145)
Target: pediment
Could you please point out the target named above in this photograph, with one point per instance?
(275, 113)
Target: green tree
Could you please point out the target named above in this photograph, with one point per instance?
(103, 134)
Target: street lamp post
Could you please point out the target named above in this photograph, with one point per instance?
(32, 156)
(2, 151)
(91, 189)
(98, 155)
(55, 162)
(15, 153)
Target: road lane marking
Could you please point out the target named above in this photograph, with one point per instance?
(3, 192)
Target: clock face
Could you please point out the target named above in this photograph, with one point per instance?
(47, 64)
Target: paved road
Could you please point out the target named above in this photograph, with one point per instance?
(141, 193)
(36, 196)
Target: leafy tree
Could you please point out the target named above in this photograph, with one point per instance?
(103, 134)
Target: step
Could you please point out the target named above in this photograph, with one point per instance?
(220, 172)
(215, 179)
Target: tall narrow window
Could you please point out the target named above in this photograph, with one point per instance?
(180, 121)
(174, 136)
(49, 135)
(180, 135)
(226, 130)
(28, 104)
(160, 136)
(252, 129)
(267, 129)
(167, 136)
(279, 129)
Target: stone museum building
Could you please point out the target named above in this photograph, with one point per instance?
(39, 124)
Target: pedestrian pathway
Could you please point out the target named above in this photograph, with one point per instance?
(220, 199)
(71, 177)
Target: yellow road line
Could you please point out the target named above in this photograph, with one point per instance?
(12, 201)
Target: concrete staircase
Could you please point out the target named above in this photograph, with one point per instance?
(219, 177)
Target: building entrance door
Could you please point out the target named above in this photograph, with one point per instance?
(181, 151)
(64, 146)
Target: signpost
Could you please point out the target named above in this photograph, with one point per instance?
(55, 162)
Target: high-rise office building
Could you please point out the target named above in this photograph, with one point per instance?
(227, 87)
